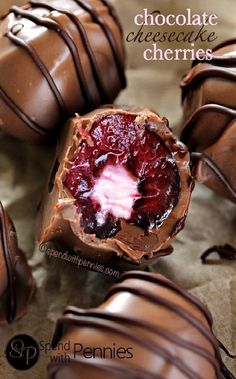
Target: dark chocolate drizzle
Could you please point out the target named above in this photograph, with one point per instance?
(163, 332)
(218, 59)
(108, 321)
(125, 332)
(174, 287)
(86, 43)
(112, 41)
(190, 124)
(53, 25)
(226, 251)
(216, 170)
(227, 42)
(21, 114)
(11, 306)
(171, 286)
(165, 303)
(120, 369)
(223, 72)
(196, 79)
(42, 68)
(113, 14)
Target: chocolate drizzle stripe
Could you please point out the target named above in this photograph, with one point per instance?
(11, 312)
(164, 333)
(226, 252)
(114, 367)
(112, 41)
(216, 60)
(42, 68)
(86, 43)
(208, 72)
(170, 285)
(21, 114)
(188, 128)
(191, 319)
(228, 42)
(72, 316)
(215, 169)
(53, 25)
(122, 330)
(171, 306)
(113, 13)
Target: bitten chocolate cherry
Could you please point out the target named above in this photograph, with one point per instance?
(122, 170)
(57, 57)
(121, 189)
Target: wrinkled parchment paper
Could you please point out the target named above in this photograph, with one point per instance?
(212, 220)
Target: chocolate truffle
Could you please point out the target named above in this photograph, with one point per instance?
(57, 58)
(16, 281)
(147, 328)
(120, 187)
(209, 103)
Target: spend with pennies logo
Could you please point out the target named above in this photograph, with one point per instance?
(22, 352)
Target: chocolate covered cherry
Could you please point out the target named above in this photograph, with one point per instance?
(16, 280)
(147, 328)
(209, 119)
(122, 186)
(57, 57)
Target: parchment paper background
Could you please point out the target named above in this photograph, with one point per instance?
(212, 220)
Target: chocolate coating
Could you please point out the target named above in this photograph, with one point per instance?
(210, 119)
(16, 281)
(168, 331)
(132, 245)
(39, 85)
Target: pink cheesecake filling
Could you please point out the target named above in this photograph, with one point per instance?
(115, 190)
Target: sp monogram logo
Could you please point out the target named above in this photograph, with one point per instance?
(22, 352)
